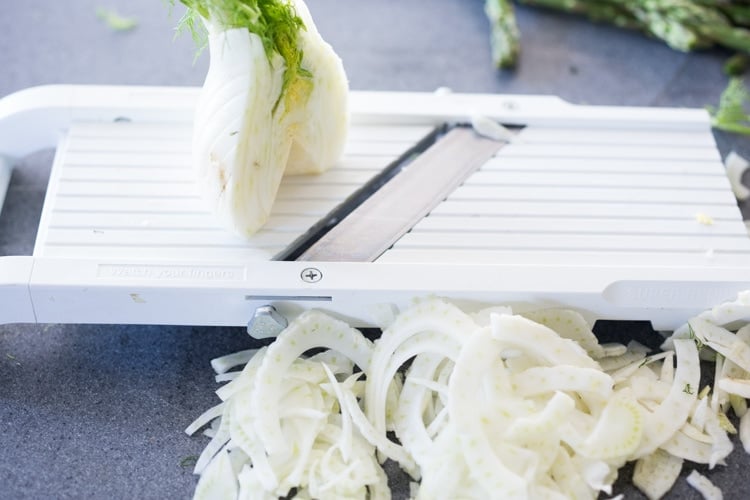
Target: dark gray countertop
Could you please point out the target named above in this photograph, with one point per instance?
(98, 411)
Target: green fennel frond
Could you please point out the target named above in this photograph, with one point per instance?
(274, 21)
(731, 115)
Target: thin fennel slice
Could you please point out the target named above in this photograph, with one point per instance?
(409, 420)
(444, 469)
(672, 413)
(569, 477)
(218, 480)
(683, 446)
(243, 435)
(618, 431)
(704, 486)
(541, 379)
(217, 443)
(739, 387)
(613, 363)
(722, 341)
(486, 468)
(431, 315)
(655, 474)
(345, 445)
(225, 363)
(744, 431)
(571, 325)
(245, 378)
(312, 329)
(613, 349)
(539, 340)
(432, 342)
(250, 487)
(379, 440)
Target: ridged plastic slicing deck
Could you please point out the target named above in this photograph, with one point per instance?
(572, 195)
(589, 196)
(127, 190)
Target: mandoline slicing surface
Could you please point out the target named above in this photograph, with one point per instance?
(565, 196)
(126, 191)
(591, 197)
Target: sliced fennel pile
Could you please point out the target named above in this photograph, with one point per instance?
(490, 404)
(274, 102)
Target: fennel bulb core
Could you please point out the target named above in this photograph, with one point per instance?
(258, 118)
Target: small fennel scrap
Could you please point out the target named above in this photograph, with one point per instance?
(488, 404)
(274, 102)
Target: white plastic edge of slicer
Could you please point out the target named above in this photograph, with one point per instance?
(48, 290)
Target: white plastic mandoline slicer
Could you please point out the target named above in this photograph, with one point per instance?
(619, 212)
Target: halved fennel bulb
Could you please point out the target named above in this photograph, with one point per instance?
(274, 101)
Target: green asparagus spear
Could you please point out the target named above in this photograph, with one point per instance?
(599, 11)
(737, 65)
(504, 35)
(682, 24)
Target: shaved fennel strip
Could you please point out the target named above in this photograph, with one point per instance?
(345, 445)
(731, 311)
(307, 435)
(618, 431)
(744, 432)
(224, 363)
(444, 468)
(627, 371)
(704, 486)
(644, 389)
(433, 315)
(226, 376)
(539, 341)
(667, 368)
(410, 348)
(655, 474)
(614, 363)
(218, 480)
(245, 379)
(719, 398)
(478, 353)
(673, 411)
(570, 325)
(723, 342)
(738, 387)
(568, 477)
(312, 329)
(722, 445)
(217, 443)
(540, 433)
(206, 417)
(543, 379)
(613, 349)
(409, 424)
(337, 362)
(680, 445)
(379, 440)
(242, 433)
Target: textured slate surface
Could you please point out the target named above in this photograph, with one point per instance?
(98, 411)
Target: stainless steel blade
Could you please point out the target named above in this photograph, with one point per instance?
(390, 212)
